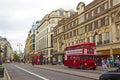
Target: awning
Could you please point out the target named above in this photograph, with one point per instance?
(107, 52)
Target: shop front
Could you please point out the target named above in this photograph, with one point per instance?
(107, 54)
(58, 58)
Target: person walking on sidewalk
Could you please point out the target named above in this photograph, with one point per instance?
(103, 63)
(59, 61)
(117, 62)
(33, 61)
(108, 63)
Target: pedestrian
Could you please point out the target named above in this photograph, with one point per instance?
(33, 61)
(111, 62)
(19, 61)
(103, 63)
(59, 61)
(24, 61)
(117, 62)
(108, 63)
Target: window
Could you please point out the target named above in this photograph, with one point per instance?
(76, 22)
(118, 31)
(106, 20)
(92, 13)
(51, 29)
(105, 6)
(87, 28)
(93, 39)
(86, 16)
(93, 26)
(33, 47)
(65, 36)
(61, 13)
(68, 26)
(107, 37)
(88, 39)
(98, 10)
(71, 13)
(100, 38)
(72, 33)
(69, 35)
(99, 23)
(72, 24)
(33, 36)
(51, 40)
(65, 27)
(60, 29)
(52, 21)
(33, 40)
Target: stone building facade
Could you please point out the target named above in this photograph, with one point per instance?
(7, 50)
(97, 22)
(30, 42)
(44, 32)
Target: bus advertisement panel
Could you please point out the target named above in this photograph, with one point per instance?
(80, 56)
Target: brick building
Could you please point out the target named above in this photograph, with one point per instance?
(97, 22)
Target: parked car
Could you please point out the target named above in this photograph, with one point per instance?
(8, 61)
(110, 75)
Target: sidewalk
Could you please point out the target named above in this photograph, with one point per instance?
(62, 68)
(107, 69)
(76, 73)
(6, 75)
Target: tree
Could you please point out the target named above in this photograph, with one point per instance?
(16, 57)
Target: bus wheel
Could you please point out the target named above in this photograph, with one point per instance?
(82, 66)
(69, 66)
(93, 68)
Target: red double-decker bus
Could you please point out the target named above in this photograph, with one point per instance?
(38, 58)
(80, 56)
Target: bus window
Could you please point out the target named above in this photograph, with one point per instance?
(73, 57)
(78, 58)
(68, 58)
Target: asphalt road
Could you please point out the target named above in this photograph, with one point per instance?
(27, 72)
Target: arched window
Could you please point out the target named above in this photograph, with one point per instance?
(52, 21)
(119, 16)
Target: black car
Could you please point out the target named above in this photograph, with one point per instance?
(111, 75)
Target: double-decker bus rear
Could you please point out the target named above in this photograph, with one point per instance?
(38, 58)
(80, 56)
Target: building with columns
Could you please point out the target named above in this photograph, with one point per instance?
(30, 42)
(7, 50)
(44, 32)
(97, 22)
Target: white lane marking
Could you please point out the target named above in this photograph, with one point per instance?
(32, 73)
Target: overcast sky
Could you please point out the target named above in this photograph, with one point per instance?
(17, 16)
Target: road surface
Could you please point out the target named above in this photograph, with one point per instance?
(28, 72)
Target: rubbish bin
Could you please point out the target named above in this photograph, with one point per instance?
(1, 71)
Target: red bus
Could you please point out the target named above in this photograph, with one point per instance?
(38, 58)
(80, 56)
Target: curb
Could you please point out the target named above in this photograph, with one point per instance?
(71, 72)
(7, 74)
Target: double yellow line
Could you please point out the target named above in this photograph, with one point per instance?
(7, 74)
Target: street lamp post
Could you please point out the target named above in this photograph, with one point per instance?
(19, 47)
